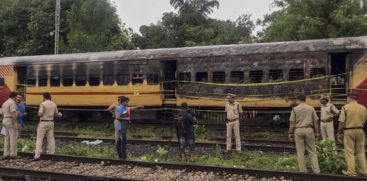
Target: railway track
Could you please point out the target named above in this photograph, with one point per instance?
(7, 173)
(262, 145)
(169, 167)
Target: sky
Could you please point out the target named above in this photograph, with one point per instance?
(135, 13)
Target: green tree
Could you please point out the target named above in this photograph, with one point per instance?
(191, 26)
(26, 27)
(313, 19)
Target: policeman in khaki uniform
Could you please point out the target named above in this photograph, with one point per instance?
(304, 126)
(351, 121)
(11, 125)
(47, 112)
(234, 112)
(328, 112)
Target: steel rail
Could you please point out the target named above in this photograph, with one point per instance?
(194, 168)
(27, 174)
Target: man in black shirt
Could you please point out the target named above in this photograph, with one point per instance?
(184, 122)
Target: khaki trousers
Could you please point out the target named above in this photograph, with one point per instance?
(45, 128)
(235, 126)
(305, 140)
(10, 140)
(327, 130)
(354, 141)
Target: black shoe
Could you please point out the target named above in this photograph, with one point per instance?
(36, 159)
(4, 157)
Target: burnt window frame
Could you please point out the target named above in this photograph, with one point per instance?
(202, 74)
(55, 77)
(43, 76)
(67, 79)
(254, 76)
(240, 75)
(278, 72)
(31, 77)
(126, 79)
(108, 76)
(137, 78)
(317, 70)
(2, 81)
(219, 77)
(296, 74)
(80, 77)
(94, 74)
(153, 78)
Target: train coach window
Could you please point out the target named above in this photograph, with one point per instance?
(80, 80)
(219, 77)
(317, 72)
(55, 81)
(137, 78)
(67, 81)
(108, 79)
(2, 81)
(122, 79)
(153, 78)
(42, 80)
(55, 75)
(42, 77)
(108, 73)
(237, 77)
(296, 74)
(94, 80)
(201, 77)
(31, 81)
(256, 76)
(275, 75)
(184, 76)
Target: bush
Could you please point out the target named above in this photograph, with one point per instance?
(330, 160)
(200, 129)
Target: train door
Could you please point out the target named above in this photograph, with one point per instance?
(21, 79)
(339, 72)
(169, 81)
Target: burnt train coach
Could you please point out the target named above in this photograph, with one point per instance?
(264, 76)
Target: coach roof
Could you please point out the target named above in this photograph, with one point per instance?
(328, 45)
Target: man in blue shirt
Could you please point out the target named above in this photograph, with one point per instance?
(122, 114)
(20, 112)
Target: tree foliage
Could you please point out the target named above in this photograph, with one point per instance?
(191, 26)
(26, 27)
(313, 19)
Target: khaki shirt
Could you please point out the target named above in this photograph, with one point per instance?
(353, 115)
(48, 109)
(9, 107)
(233, 110)
(303, 115)
(328, 111)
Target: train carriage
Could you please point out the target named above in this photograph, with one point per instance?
(265, 76)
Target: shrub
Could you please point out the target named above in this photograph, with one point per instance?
(330, 160)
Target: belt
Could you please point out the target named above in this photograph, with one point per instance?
(47, 120)
(326, 121)
(8, 117)
(233, 120)
(304, 127)
(353, 128)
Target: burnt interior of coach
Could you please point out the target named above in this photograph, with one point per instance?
(339, 81)
(79, 74)
(257, 68)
